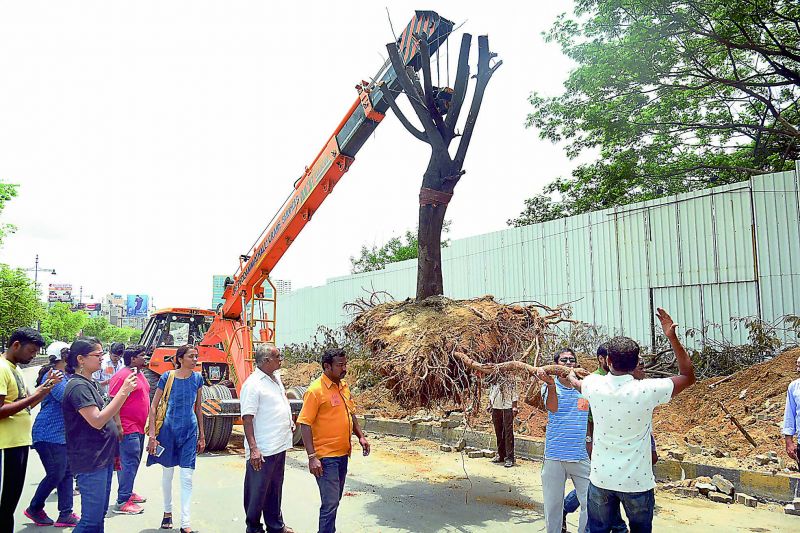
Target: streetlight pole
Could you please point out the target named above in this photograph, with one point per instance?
(36, 270)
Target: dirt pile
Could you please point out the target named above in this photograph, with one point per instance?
(420, 348)
(755, 396)
(300, 375)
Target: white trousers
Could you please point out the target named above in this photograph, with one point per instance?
(186, 492)
(554, 478)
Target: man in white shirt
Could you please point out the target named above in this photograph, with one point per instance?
(111, 364)
(503, 399)
(791, 417)
(622, 409)
(268, 428)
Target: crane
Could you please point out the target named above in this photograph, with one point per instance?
(227, 336)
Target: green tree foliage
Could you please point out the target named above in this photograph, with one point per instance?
(396, 249)
(674, 95)
(19, 305)
(62, 323)
(102, 329)
(7, 192)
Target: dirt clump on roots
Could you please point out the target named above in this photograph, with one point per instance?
(437, 351)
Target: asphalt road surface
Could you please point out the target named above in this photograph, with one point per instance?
(402, 486)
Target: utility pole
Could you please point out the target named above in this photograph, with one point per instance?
(36, 270)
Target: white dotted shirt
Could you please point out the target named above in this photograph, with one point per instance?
(622, 408)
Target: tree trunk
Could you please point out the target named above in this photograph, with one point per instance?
(429, 262)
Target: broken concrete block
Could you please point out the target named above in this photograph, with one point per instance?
(449, 424)
(719, 453)
(789, 509)
(762, 459)
(678, 456)
(722, 484)
(475, 454)
(471, 449)
(460, 445)
(445, 448)
(772, 454)
(695, 449)
(488, 453)
(705, 488)
(744, 499)
(796, 503)
(688, 492)
(719, 497)
(456, 417)
(743, 394)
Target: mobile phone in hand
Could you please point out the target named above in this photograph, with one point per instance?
(134, 370)
(159, 450)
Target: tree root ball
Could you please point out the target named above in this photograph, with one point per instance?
(436, 352)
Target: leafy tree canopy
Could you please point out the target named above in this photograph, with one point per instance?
(19, 306)
(674, 95)
(7, 192)
(398, 248)
(62, 323)
(102, 329)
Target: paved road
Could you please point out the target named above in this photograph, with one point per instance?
(402, 486)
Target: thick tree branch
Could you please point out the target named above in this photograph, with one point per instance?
(401, 116)
(485, 72)
(460, 87)
(427, 80)
(434, 138)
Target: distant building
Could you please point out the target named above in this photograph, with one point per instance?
(218, 288)
(115, 308)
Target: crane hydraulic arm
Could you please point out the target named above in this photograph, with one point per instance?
(329, 166)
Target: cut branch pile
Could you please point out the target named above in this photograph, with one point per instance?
(437, 351)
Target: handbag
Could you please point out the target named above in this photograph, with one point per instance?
(161, 409)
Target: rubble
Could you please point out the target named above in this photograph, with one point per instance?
(722, 484)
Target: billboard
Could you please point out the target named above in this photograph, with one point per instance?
(96, 307)
(59, 292)
(137, 304)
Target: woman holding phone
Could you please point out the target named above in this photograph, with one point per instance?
(181, 436)
(91, 432)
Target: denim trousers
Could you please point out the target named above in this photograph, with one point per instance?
(13, 463)
(130, 457)
(95, 490)
(571, 504)
(331, 488)
(57, 477)
(604, 508)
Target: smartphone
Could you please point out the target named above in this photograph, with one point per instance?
(159, 450)
(135, 370)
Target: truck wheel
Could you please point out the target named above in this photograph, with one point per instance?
(296, 393)
(217, 428)
(152, 379)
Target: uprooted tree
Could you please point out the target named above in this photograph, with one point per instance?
(439, 119)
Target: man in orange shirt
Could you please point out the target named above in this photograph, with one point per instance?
(326, 422)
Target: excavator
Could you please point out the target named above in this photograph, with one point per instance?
(226, 337)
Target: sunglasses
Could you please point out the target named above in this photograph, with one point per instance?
(567, 360)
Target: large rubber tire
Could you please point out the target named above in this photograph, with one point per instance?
(217, 428)
(296, 393)
(152, 379)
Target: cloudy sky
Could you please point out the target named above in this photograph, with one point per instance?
(154, 140)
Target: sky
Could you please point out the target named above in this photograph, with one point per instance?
(154, 140)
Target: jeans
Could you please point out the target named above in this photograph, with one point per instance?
(503, 421)
(331, 487)
(263, 491)
(571, 505)
(604, 509)
(57, 477)
(186, 492)
(130, 453)
(95, 490)
(13, 463)
(554, 478)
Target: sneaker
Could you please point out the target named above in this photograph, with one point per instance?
(39, 518)
(135, 498)
(509, 463)
(129, 507)
(496, 459)
(70, 520)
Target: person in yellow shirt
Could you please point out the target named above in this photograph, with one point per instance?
(15, 418)
(326, 422)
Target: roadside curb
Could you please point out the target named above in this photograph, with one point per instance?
(777, 488)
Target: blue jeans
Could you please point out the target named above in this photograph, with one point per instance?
(571, 504)
(604, 509)
(57, 477)
(331, 487)
(95, 490)
(130, 456)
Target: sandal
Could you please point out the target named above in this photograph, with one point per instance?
(166, 523)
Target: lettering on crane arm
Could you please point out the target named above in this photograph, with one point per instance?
(312, 180)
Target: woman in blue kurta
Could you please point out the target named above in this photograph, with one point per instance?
(181, 434)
